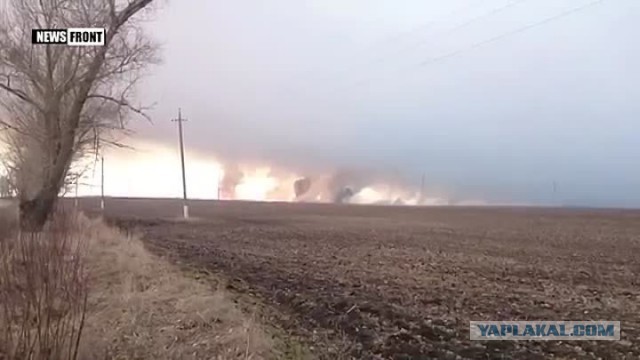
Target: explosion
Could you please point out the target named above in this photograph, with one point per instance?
(343, 187)
(127, 174)
(257, 186)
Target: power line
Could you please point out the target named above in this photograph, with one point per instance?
(497, 38)
(484, 15)
(467, 23)
(396, 37)
(511, 33)
(431, 23)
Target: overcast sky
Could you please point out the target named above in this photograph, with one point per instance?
(452, 88)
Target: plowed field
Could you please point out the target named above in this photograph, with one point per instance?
(374, 282)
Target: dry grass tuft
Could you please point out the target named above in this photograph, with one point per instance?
(144, 308)
(43, 291)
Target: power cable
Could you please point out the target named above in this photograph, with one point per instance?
(466, 24)
(512, 33)
(484, 15)
(497, 38)
(394, 39)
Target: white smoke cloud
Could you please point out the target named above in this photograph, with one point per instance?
(153, 170)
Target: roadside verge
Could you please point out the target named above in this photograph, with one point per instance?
(140, 306)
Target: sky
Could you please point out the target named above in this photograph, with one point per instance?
(492, 100)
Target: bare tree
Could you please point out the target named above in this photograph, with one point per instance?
(62, 102)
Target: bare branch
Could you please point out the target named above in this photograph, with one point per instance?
(122, 102)
(129, 11)
(59, 103)
(20, 94)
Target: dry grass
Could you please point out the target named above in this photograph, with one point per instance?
(43, 291)
(138, 306)
(141, 307)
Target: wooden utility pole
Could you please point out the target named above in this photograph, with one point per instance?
(185, 205)
(422, 189)
(219, 182)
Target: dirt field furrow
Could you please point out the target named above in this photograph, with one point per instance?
(403, 283)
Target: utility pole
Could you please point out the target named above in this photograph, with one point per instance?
(219, 181)
(422, 188)
(185, 206)
(102, 183)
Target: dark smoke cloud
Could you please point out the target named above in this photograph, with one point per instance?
(301, 187)
(231, 178)
(346, 182)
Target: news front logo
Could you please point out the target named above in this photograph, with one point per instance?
(69, 37)
(544, 330)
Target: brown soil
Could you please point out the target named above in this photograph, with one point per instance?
(373, 282)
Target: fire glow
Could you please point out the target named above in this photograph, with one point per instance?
(256, 186)
(154, 171)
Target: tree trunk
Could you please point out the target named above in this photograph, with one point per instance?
(35, 213)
